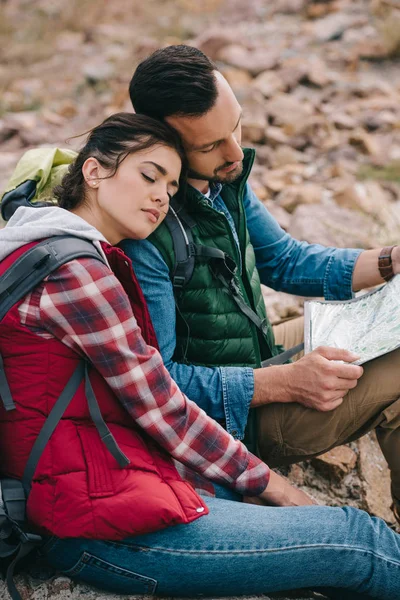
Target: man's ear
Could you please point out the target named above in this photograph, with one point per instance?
(92, 171)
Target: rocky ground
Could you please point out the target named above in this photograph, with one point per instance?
(319, 82)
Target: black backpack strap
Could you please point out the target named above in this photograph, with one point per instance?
(182, 240)
(21, 196)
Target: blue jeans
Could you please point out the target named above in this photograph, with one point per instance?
(244, 549)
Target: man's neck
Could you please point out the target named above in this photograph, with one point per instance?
(200, 184)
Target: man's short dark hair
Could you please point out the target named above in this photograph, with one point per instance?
(177, 80)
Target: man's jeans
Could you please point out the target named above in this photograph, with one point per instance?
(245, 549)
(289, 433)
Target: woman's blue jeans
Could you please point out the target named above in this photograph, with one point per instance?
(244, 549)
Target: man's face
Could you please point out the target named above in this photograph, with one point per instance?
(212, 141)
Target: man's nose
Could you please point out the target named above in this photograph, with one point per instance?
(233, 150)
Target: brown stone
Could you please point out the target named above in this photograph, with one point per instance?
(254, 119)
(212, 41)
(281, 306)
(365, 142)
(255, 61)
(237, 78)
(368, 197)
(275, 135)
(286, 155)
(336, 462)
(268, 83)
(289, 112)
(334, 226)
(375, 476)
(293, 196)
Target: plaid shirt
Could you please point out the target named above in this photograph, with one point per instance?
(84, 306)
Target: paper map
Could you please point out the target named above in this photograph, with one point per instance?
(368, 325)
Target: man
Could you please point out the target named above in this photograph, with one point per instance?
(209, 343)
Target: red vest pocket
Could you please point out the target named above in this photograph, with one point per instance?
(99, 463)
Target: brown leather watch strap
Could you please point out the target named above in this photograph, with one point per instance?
(385, 263)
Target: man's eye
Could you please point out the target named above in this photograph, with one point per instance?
(209, 149)
(147, 178)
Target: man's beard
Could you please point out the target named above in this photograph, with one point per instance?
(227, 178)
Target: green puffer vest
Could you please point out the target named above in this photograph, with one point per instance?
(211, 330)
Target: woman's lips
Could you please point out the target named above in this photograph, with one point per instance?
(152, 213)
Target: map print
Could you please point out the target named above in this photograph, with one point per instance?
(368, 325)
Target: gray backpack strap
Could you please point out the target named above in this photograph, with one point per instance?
(50, 424)
(37, 263)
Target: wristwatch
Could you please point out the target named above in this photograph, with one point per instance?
(385, 263)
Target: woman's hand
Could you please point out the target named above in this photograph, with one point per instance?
(280, 492)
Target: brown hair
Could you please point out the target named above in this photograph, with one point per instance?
(110, 143)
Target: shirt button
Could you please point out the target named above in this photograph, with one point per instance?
(234, 432)
(200, 509)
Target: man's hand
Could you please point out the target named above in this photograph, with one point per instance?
(315, 381)
(280, 492)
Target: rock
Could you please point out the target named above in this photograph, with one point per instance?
(289, 7)
(255, 62)
(333, 26)
(317, 72)
(341, 120)
(288, 112)
(336, 462)
(368, 197)
(375, 475)
(212, 41)
(333, 225)
(254, 119)
(237, 78)
(365, 142)
(281, 306)
(293, 196)
(286, 155)
(96, 71)
(268, 83)
(275, 135)
(292, 71)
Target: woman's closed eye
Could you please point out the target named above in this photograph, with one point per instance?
(147, 178)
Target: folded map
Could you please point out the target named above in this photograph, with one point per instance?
(368, 325)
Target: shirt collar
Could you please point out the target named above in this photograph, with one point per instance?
(215, 190)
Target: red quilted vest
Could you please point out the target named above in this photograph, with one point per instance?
(78, 489)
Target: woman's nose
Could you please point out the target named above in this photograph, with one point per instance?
(161, 197)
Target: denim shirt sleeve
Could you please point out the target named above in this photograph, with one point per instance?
(295, 267)
(224, 393)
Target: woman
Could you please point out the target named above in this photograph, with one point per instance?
(111, 526)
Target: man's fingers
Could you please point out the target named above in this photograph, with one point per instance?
(331, 405)
(347, 371)
(343, 385)
(337, 354)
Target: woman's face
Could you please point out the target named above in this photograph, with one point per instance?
(134, 201)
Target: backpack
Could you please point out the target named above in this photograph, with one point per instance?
(16, 540)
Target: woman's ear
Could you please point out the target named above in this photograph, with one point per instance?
(92, 172)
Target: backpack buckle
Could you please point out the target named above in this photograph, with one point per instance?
(178, 281)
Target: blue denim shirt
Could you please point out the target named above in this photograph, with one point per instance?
(284, 264)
